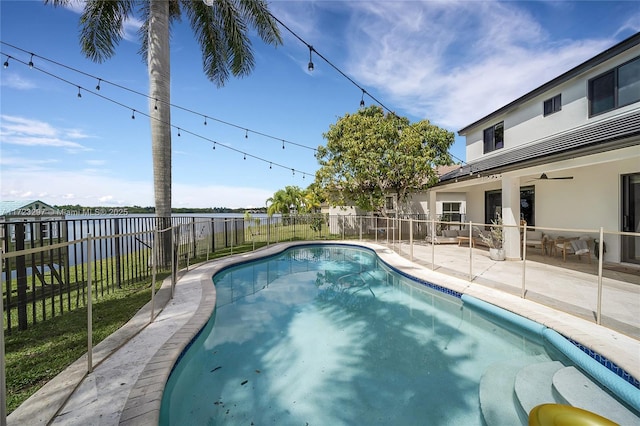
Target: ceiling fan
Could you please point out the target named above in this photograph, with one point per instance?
(545, 177)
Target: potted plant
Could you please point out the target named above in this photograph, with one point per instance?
(494, 240)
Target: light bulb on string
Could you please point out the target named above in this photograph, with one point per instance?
(133, 114)
(282, 143)
(293, 171)
(155, 106)
(178, 131)
(245, 156)
(246, 133)
(6, 63)
(310, 66)
(362, 100)
(31, 62)
(269, 165)
(214, 145)
(98, 85)
(79, 94)
(205, 120)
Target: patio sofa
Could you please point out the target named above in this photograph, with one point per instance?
(450, 236)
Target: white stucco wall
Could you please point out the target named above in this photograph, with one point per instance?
(526, 123)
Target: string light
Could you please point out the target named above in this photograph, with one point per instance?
(214, 145)
(310, 66)
(31, 62)
(155, 106)
(205, 120)
(134, 111)
(344, 75)
(246, 133)
(245, 156)
(6, 63)
(362, 100)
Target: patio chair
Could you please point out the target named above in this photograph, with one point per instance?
(577, 246)
(537, 239)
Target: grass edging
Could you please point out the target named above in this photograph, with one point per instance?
(44, 403)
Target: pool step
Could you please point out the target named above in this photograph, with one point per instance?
(510, 390)
(574, 388)
(497, 397)
(533, 385)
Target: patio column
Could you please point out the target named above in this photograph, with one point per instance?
(511, 216)
(432, 204)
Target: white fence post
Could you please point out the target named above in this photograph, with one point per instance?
(470, 251)
(410, 239)
(524, 261)
(174, 255)
(3, 377)
(89, 307)
(153, 273)
(600, 256)
(433, 244)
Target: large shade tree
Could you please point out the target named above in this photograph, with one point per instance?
(221, 28)
(370, 155)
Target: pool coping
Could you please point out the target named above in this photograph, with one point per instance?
(143, 402)
(143, 405)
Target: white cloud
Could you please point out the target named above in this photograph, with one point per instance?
(15, 81)
(28, 132)
(410, 51)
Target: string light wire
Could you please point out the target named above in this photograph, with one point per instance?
(178, 107)
(179, 129)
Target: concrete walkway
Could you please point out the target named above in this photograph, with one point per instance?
(132, 365)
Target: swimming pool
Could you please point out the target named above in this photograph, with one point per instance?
(330, 335)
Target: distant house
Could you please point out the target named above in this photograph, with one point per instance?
(565, 155)
(29, 211)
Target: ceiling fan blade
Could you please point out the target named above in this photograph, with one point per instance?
(562, 177)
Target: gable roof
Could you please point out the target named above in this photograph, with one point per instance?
(9, 207)
(580, 69)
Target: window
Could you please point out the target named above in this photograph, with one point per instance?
(615, 88)
(552, 105)
(389, 203)
(494, 137)
(451, 212)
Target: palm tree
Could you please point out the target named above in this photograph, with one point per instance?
(278, 203)
(220, 26)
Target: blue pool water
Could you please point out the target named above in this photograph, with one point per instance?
(329, 335)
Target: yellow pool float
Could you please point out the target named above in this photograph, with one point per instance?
(565, 415)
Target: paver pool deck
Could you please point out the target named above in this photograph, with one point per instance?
(132, 366)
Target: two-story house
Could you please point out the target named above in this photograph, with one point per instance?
(565, 155)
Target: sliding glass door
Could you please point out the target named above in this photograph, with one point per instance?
(631, 217)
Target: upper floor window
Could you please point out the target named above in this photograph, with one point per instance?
(553, 105)
(494, 137)
(615, 88)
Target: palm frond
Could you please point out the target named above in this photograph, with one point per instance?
(101, 25)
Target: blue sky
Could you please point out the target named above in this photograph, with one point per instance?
(449, 62)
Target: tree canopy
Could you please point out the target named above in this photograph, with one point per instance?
(370, 155)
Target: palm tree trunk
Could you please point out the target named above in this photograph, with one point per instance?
(159, 92)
